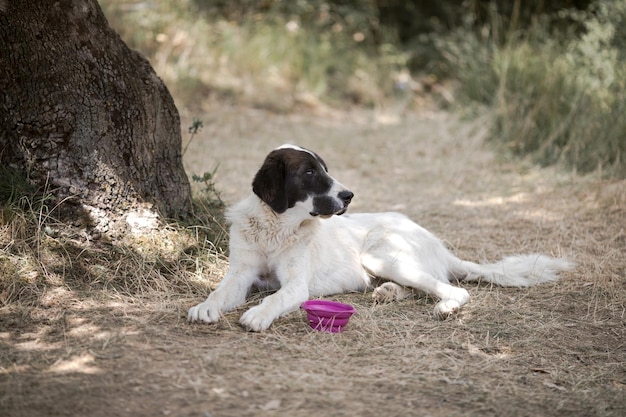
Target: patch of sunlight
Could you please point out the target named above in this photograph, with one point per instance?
(14, 369)
(56, 296)
(33, 340)
(399, 242)
(76, 364)
(499, 352)
(81, 328)
(492, 201)
(535, 213)
(388, 119)
(142, 220)
(541, 214)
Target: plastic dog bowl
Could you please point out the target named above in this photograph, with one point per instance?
(327, 316)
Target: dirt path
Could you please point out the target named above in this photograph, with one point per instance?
(555, 350)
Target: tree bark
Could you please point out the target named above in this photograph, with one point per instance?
(83, 113)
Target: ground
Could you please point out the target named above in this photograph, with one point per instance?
(553, 350)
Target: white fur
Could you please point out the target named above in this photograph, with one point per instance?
(306, 257)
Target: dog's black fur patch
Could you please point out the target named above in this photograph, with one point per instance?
(290, 175)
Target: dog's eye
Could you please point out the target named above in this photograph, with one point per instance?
(309, 172)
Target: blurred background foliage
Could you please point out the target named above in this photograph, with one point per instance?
(552, 73)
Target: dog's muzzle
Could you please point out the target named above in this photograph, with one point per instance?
(326, 206)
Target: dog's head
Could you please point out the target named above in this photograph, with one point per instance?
(293, 176)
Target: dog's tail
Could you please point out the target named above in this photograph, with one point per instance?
(512, 271)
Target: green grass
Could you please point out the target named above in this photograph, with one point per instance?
(271, 59)
(557, 91)
(556, 98)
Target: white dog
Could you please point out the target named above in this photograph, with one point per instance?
(289, 235)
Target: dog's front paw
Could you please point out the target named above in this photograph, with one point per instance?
(206, 311)
(256, 319)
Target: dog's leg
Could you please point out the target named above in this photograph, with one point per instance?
(230, 293)
(294, 290)
(404, 271)
(284, 301)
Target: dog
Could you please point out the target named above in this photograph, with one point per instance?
(291, 235)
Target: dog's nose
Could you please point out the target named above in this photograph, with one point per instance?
(346, 196)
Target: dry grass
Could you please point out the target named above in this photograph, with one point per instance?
(93, 328)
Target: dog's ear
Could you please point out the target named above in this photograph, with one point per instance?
(269, 183)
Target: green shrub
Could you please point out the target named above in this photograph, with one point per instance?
(266, 54)
(558, 97)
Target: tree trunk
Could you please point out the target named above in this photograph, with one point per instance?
(83, 113)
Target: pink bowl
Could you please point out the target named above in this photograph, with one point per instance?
(327, 316)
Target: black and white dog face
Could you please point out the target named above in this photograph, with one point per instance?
(293, 176)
